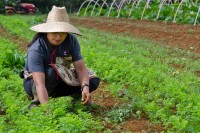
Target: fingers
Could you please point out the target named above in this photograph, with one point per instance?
(86, 99)
(82, 99)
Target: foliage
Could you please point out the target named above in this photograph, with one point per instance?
(186, 14)
(145, 71)
(19, 25)
(10, 59)
(13, 60)
(51, 118)
(2, 6)
(45, 6)
(139, 71)
(119, 114)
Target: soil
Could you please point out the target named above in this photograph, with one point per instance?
(106, 102)
(181, 36)
(21, 42)
(185, 37)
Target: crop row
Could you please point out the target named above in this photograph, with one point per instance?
(186, 11)
(56, 117)
(138, 71)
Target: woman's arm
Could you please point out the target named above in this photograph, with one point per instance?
(83, 78)
(39, 80)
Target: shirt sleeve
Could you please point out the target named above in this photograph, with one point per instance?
(75, 49)
(35, 61)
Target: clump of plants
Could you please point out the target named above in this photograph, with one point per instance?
(13, 60)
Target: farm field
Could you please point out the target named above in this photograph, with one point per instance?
(177, 35)
(149, 72)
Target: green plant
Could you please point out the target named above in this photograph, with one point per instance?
(119, 114)
(14, 61)
(148, 72)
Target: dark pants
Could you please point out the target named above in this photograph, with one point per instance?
(58, 88)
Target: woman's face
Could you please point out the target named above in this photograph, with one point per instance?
(56, 38)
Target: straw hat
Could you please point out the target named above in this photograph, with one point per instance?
(57, 21)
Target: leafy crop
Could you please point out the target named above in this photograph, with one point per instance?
(119, 114)
(10, 58)
(139, 71)
(51, 118)
(14, 61)
(186, 14)
(143, 69)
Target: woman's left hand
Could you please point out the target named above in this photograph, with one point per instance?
(83, 78)
(86, 96)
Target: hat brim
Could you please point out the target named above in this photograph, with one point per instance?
(55, 27)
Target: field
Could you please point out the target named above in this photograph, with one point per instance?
(149, 78)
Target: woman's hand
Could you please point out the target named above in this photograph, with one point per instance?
(83, 78)
(86, 96)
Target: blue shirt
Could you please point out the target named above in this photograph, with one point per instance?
(40, 54)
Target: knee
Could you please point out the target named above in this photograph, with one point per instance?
(50, 78)
(50, 74)
(28, 84)
(94, 83)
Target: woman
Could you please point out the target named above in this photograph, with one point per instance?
(53, 47)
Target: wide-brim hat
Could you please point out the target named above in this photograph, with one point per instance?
(57, 21)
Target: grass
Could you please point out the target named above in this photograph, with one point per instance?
(159, 81)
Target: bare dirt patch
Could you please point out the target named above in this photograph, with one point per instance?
(106, 102)
(181, 36)
(22, 43)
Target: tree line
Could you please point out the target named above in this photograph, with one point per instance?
(44, 6)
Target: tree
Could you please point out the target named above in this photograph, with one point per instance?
(44, 6)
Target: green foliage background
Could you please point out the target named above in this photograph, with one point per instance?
(44, 6)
